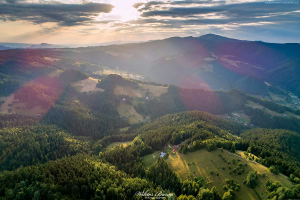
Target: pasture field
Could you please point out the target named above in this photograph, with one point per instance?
(125, 74)
(151, 158)
(155, 90)
(15, 107)
(87, 85)
(56, 72)
(257, 106)
(123, 129)
(254, 105)
(112, 145)
(280, 99)
(242, 116)
(133, 92)
(203, 163)
(126, 90)
(129, 112)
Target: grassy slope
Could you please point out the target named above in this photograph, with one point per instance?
(130, 112)
(112, 145)
(87, 85)
(254, 105)
(210, 161)
(155, 90)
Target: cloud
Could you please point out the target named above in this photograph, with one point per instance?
(57, 12)
(199, 15)
(233, 17)
(254, 9)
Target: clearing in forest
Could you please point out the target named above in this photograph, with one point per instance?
(154, 89)
(126, 90)
(87, 85)
(129, 111)
(112, 145)
(13, 106)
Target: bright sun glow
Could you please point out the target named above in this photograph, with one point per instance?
(123, 10)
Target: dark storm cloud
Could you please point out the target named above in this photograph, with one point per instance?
(63, 14)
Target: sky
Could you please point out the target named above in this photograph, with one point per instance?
(90, 22)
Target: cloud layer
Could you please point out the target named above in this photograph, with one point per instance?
(57, 12)
(251, 19)
(192, 13)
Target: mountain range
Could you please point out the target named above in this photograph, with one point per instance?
(209, 61)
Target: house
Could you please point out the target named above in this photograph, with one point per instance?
(124, 99)
(175, 149)
(162, 154)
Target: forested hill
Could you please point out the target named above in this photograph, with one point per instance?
(193, 131)
(207, 62)
(59, 136)
(46, 162)
(186, 118)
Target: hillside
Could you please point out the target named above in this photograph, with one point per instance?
(208, 164)
(197, 144)
(209, 62)
(82, 122)
(89, 123)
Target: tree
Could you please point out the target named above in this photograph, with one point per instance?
(233, 148)
(184, 197)
(205, 194)
(36, 196)
(274, 170)
(228, 195)
(251, 179)
(216, 193)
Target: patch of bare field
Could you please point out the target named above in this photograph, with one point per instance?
(129, 112)
(55, 73)
(122, 73)
(51, 59)
(87, 85)
(126, 90)
(13, 106)
(155, 90)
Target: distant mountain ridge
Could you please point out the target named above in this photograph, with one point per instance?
(210, 61)
(27, 45)
(45, 46)
(4, 47)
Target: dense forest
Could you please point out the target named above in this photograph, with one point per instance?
(63, 153)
